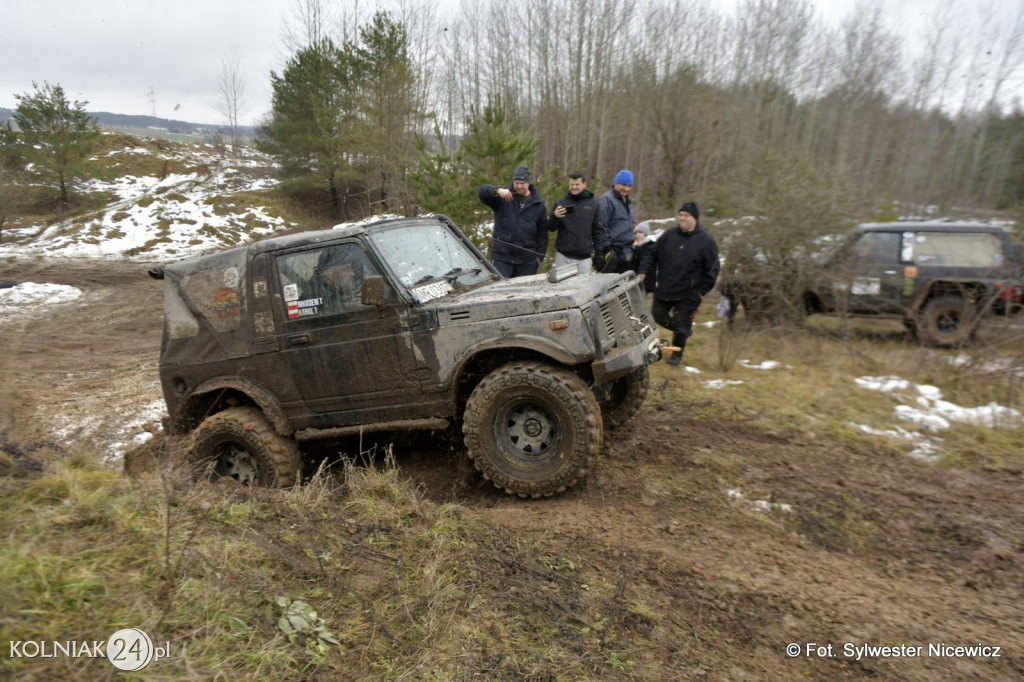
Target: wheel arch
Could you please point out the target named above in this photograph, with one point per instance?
(971, 289)
(216, 395)
(474, 368)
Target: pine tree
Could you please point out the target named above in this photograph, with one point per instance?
(54, 141)
(310, 131)
(488, 154)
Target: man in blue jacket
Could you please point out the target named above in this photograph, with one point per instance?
(618, 217)
(520, 239)
(686, 259)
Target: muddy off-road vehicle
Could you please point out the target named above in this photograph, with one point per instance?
(392, 326)
(939, 278)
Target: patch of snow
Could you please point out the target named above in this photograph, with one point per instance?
(28, 297)
(883, 384)
(762, 506)
(931, 412)
(721, 383)
(767, 364)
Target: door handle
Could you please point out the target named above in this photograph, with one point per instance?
(298, 339)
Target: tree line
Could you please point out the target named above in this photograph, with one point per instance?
(769, 113)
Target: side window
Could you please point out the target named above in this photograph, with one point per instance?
(882, 248)
(958, 249)
(324, 281)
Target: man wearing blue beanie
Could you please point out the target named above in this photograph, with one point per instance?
(618, 217)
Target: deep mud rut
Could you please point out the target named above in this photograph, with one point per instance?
(857, 547)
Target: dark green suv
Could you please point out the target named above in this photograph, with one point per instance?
(940, 278)
(392, 326)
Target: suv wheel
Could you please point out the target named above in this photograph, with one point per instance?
(239, 443)
(624, 400)
(946, 322)
(532, 429)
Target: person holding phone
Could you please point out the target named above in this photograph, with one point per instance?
(576, 220)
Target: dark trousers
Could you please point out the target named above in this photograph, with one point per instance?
(510, 270)
(619, 261)
(677, 316)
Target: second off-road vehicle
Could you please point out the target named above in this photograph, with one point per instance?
(940, 278)
(397, 325)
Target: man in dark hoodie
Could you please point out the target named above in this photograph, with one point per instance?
(686, 259)
(520, 239)
(576, 220)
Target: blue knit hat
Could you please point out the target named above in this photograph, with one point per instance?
(624, 177)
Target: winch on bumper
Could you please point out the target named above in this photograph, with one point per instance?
(627, 357)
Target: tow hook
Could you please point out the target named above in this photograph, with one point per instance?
(655, 349)
(662, 346)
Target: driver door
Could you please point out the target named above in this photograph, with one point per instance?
(350, 362)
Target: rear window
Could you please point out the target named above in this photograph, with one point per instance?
(953, 249)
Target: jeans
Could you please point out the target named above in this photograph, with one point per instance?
(510, 270)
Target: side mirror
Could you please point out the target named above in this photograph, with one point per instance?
(373, 291)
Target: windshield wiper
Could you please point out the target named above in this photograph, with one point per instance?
(455, 273)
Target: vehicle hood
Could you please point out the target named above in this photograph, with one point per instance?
(526, 296)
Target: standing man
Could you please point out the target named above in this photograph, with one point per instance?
(579, 228)
(687, 264)
(618, 217)
(520, 239)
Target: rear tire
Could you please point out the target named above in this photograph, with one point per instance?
(947, 322)
(240, 443)
(532, 429)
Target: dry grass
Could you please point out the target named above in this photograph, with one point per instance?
(812, 392)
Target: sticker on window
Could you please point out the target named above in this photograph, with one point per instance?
(429, 292)
(310, 306)
(291, 292)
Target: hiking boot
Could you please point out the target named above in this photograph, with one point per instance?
(675, 359)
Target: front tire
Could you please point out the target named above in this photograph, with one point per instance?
(532, 429)
(240, 443)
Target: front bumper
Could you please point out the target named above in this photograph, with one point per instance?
(621, 362)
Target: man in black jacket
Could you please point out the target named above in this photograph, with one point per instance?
(520, 241)
(687, 263)
(576, 220)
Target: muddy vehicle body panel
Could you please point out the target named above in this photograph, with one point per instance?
(387, 326)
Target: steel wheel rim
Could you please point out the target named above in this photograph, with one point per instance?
(529, 432)
(236, 462)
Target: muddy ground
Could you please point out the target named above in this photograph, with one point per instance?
(876, 548)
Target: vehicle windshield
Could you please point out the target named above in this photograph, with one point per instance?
(422, 255)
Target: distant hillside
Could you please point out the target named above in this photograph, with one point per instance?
(126, 121)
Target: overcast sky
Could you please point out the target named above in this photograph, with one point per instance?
(146, 57)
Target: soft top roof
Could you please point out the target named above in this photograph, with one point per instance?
(238, 254)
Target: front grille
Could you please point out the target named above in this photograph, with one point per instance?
(627, 309)
(609, 321)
